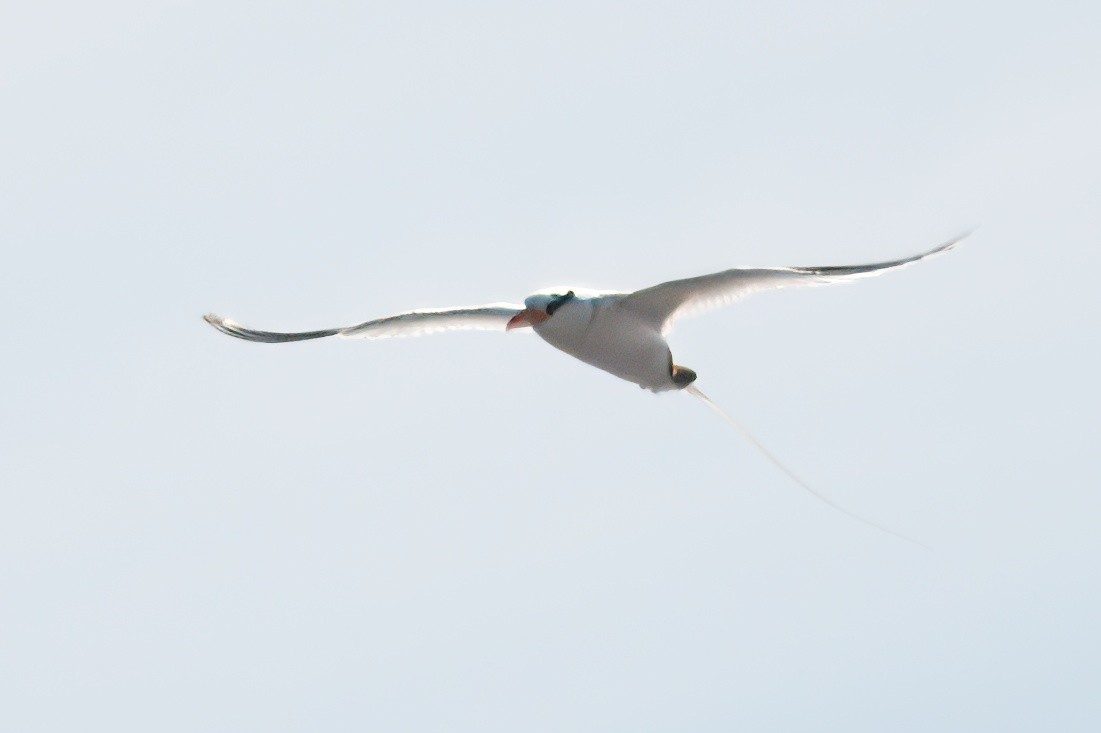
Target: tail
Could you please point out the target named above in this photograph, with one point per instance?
(691, 388)
(233, 328)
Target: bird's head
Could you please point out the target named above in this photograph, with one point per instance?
(540, 307)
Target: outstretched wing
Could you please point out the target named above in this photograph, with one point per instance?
(492, 317)
(663, 303)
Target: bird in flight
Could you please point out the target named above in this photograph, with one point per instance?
(622, 333)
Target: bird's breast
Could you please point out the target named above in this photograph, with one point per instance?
(613, 339)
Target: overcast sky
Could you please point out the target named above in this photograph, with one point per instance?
(473, 532)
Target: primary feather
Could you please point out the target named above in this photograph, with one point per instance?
(490, 317)
(664, 303)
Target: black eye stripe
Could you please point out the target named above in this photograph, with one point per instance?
(557, 302)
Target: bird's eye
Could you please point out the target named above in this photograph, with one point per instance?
(557, 302)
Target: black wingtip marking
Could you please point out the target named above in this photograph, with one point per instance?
(232, 328)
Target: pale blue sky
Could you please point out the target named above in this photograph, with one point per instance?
(473, 532)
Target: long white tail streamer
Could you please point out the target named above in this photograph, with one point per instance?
(692, 389)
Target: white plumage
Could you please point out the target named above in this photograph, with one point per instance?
(622, 333)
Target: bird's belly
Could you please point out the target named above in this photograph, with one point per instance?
(638, 355)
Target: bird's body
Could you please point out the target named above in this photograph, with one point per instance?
(622, 333)
(601, 331)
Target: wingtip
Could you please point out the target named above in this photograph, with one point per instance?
(945, 246)
(951, 243)
(222, 323)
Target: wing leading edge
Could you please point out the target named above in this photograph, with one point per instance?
(665, 302)
(491, 317)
